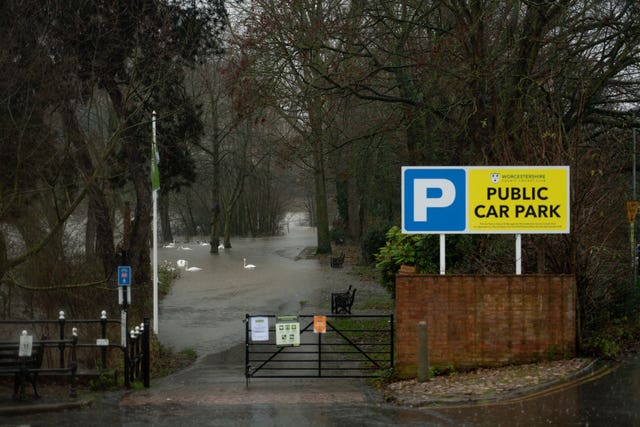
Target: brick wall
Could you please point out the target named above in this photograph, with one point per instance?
(484, 320)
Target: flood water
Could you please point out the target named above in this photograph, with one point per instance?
(206, 308)
(205, 312)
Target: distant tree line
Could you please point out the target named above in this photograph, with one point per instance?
(271, 106)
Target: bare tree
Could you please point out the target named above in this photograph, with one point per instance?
(78, 57)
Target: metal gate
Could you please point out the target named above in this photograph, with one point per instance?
(352, 346)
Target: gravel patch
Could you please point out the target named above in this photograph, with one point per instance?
(483, 383)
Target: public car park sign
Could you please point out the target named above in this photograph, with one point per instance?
(485, 199)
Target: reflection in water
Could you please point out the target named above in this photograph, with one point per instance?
(613, 400)
(205, 310)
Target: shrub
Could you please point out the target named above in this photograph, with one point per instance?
(406, 249)
(601, 346)
(611, 338)
(167, 274)
(371, 242)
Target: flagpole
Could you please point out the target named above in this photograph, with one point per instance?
(155, 234)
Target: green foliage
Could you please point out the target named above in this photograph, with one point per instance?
(166, 361)
(188, 354)
(383, 377)
(421, 251)
(417, 250)
(106, 380)
(137, 385)
(609, 340)
(167, 274)
(602, 346)
(442, 370)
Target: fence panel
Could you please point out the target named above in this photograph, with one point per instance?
(93, 342)
(352, 346)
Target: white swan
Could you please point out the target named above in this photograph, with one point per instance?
(247, 265)
(187, 268)
(181, 263)
(184, 248)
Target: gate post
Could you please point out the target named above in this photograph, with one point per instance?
(319, 355)
(423, 352)
(246, 348)
(392, 329)
(146, 353)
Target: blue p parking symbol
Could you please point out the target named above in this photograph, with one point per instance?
(433, 200)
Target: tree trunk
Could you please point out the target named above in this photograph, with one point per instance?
(353, 204)
(165, 220)
(3, 256)
(227, 221)
(139, 250)
(322, 212)
(214, 237)
(137, 155)
(98, 203)
(90, 231)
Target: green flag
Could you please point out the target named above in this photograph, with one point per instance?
(155, 172)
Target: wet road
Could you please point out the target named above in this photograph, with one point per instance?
(612, 400)
(205, 311)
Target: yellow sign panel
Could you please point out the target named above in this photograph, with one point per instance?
(518, 200)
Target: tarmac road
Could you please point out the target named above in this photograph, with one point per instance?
(205, 311)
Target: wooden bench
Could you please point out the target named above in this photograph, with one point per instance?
(26, 368)
(336, 262)
(341, 302)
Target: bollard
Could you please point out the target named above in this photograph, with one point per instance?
(103, 350)
(146, 365)
(423, 352)
(61, 321)
(74, 364)
(132, 355)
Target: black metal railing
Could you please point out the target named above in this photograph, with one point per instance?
(352, 346)
(134, 345)
(139, 357)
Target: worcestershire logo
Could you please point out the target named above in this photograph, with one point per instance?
(434, 200)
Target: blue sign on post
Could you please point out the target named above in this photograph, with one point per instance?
(433, 200)
(124, 275)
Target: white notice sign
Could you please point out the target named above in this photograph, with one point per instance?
(26, 345)
(259, 329)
